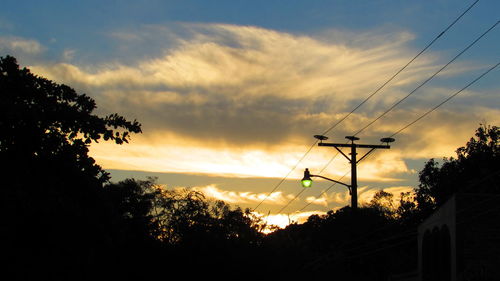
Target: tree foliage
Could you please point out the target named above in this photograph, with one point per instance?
(184, 226)
(63, 219)
(42, 121)
(51, 195)
(475, 168)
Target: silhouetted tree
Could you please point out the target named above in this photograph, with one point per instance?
(55, 222)
(132, 203)
(384, 202)
(187, 219)
(407, 211)
(179, 227)
(42, 121)
(476, 162)
(342, 243)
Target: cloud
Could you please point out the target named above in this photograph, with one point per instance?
(169, 153)
(245, 101)
(326, 199)
(68, 54)
(243, 83)
(365, 195)
(20, 46)
(243, 197)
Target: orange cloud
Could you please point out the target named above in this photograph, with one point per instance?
(244, 101)
(243, 197)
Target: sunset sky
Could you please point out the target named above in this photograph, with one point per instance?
(230, 93)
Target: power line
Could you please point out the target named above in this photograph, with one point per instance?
(293, 199)
(323, 192)
(469, 207)
(409, 124)
(419, 118)
(397, 73)
(330, 187)
(303, 189)
(445, 101)
(409, 234)
(289, 172)
(366, 99)
(404, 237)
(427, 80)
(400, 70)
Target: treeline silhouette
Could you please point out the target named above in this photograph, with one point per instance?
(62, 218)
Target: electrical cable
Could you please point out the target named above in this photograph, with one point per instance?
(422, 116)
(298, 194)
(323, 192)
(289, 172)
(422, 84)
(409, 236)
(416, 120)
(411, 232)
(366, 99)
(403, 68)
(462, 210)
(445, 101)
(369, 97)
(427, 80)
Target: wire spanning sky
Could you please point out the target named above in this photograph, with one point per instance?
(230, 92)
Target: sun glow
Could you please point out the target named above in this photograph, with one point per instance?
(274, 221)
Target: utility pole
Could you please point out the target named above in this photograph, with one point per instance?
(353, 159)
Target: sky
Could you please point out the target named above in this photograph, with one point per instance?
(230, 93)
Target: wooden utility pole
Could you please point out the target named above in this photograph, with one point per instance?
(353, 159)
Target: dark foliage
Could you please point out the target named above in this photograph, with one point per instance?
(63, 220)
(347, 244)
(179, 229)
(476, 169)
(55, 221)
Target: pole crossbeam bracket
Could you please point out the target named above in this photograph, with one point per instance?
(355, 145)
(341, 152)
(364, 156)
(353, 187)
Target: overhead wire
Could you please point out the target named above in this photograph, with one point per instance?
(288, 174)
(394, 76)
(401, 70)
(320, 172)
(423, 116)
(411, 93)
(365, 100)
(425, 82)
(411, 233)
(446, 100)
(469, 207)
(428, 79)
(324, 192)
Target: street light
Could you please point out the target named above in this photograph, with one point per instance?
(353, 159)
(307, 181)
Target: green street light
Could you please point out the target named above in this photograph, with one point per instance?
(353, 187)
(306, 180)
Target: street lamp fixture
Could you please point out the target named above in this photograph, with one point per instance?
(307, 180)
(353, 159)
